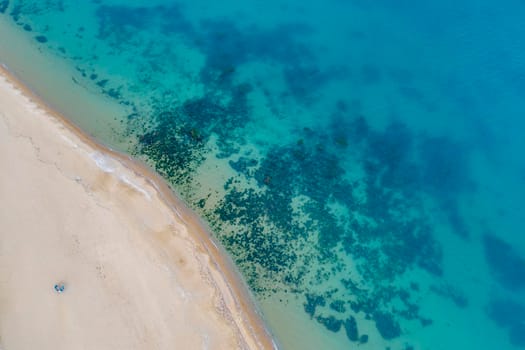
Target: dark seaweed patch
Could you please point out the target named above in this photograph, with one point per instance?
(4, 4)
(243, 165)
(113, 93)
(117, 24)
(120, 21)
(102, 83)
(176, 142)
(393, 150)
(16, 11)
(510, 315)
(445, 175)
(41, 39)
(305, 80)
(170, 147)
(387, 326)
(330, 322)
(452, 293)
(351, 329)
(312, 169)
(312, 301)
(445, 169)
(225, 44)
(338, 306)
(21, 9)
(507, 266)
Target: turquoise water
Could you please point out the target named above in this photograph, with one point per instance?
(361, 162)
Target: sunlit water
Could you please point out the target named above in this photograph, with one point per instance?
(360, 161)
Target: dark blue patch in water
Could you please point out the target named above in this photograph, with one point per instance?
(507, 266)
(450, 292)
(4, 5)
(445, 169)
(224, 42)
(445, 175)
(351, 330)
(305, 80)
(510, 315)
(118, 24)
(41, 39)
(387, 326)
(225, 45)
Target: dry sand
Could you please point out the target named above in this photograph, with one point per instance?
(139, 271)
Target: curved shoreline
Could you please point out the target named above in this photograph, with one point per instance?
(241, 306)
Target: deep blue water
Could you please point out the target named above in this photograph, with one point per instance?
(361, 162)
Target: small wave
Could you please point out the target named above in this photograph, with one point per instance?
(69, 141)
(102, 162)
(130, 183)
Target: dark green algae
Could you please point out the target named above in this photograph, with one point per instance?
(297, 251)
(3, 5)
(259, 226)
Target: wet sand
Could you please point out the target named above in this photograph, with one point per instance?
(140, 270)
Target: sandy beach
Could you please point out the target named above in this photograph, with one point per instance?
(137, 267)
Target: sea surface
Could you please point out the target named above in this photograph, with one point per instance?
(362, 162)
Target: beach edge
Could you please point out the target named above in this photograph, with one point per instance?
(248, 317)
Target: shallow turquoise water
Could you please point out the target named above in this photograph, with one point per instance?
(362, 163)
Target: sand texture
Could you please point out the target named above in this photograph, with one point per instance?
(136, 275)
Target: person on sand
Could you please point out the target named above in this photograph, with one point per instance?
(59, 287)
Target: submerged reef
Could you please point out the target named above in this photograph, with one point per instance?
(298, 246)
(351, 329)
(509, 314)
(277, 215)
(41, 39)
(387, 326)
(508, 267)
(4, 4)
(452, 293)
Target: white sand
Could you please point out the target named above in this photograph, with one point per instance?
(137, 276)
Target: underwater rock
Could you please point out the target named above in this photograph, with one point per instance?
(3, 6)
(517, 335)
(243, 164)
(507, 266)
(41, 39)
(509, 315)
(102, 83)
(450, 292)
(425, 321)
(387, 326)
(312, 301)
(351, 329)
(338, 305)
(331, 323)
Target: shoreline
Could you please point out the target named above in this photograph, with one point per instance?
(233, 292)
